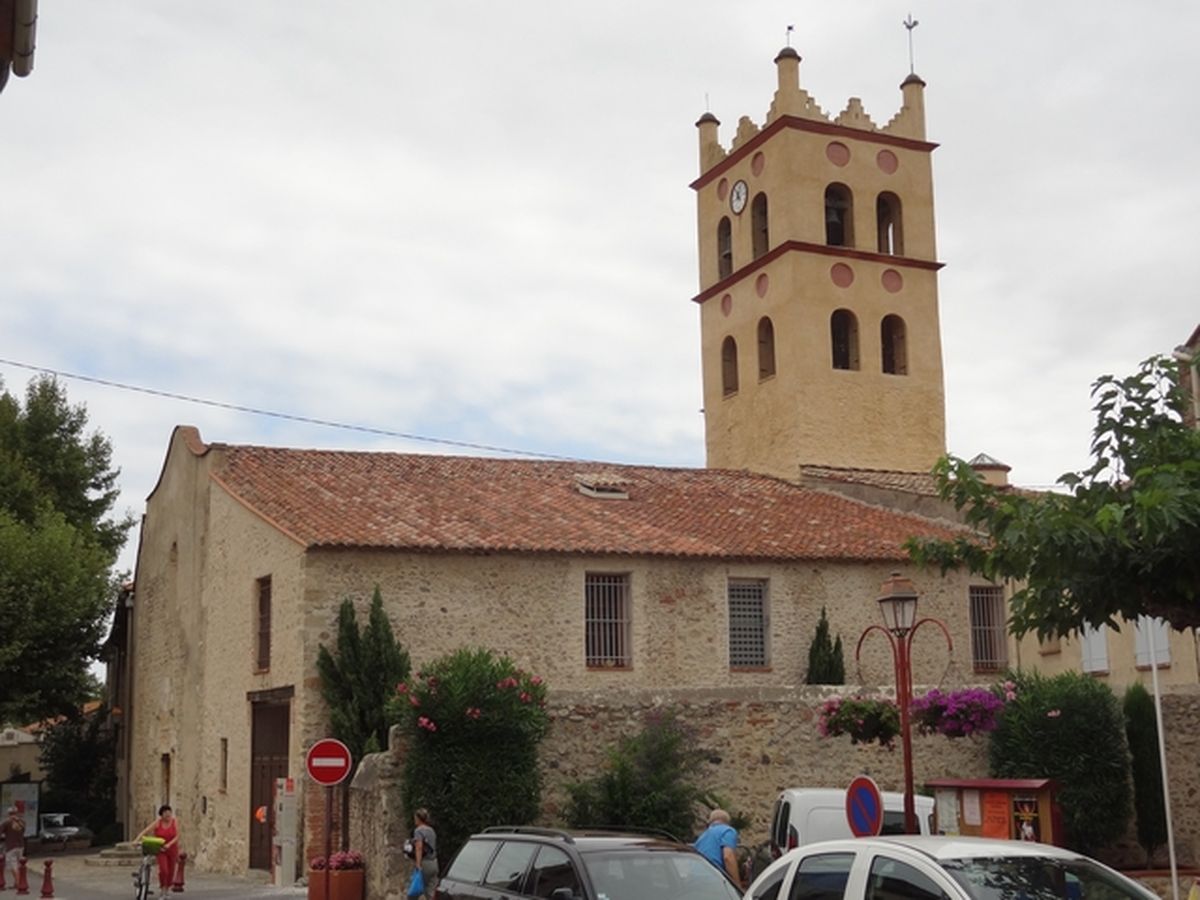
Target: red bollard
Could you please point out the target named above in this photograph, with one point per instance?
(177, 887)
(22, 878)
(48, 879)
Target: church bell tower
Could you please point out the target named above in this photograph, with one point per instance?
(818, 299)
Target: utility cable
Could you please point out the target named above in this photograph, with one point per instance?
(290, 417)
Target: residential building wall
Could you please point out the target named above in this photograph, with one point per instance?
(1123, 668)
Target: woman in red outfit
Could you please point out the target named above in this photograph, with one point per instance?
(166, 826)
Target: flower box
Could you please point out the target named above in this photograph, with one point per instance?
(344, 884)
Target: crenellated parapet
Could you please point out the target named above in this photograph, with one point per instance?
(791, 102)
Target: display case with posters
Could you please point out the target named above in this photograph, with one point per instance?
(1019, 809)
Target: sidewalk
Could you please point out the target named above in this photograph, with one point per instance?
(74, 879)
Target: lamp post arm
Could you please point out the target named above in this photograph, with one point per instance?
(897, 652)
(939, 623)
(862, 637)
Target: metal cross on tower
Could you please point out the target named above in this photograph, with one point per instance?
(910, 23)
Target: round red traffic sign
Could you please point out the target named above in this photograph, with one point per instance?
(864, 807)
(328, 761)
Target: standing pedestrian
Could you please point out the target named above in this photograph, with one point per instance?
(13, 830)
(424, 842)
(718, 844)
(166, 826)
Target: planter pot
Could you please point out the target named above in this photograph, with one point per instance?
(344, 884)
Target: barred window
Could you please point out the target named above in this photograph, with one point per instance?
(989, 635)
(606, 614)
(747, 622)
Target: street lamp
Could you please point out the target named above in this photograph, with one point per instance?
(898, 605)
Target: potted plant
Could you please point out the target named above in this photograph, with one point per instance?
(346, 872)
(865, 719)
(957, 713)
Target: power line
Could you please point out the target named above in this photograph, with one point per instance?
(290, 417)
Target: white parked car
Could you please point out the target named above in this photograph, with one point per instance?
(807, 815)
(918, 867)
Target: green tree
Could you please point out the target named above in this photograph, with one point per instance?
(49, 461)
(474, 722)
(55, 596)
(1069, 728)
(1121, 542)
(1149, 806)
(649, 783)
(825, 662)
(87, 790)
(57, 547)
(361, 678)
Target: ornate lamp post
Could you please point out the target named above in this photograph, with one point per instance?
(898, 604)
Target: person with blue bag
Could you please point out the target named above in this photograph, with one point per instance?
(423, 850)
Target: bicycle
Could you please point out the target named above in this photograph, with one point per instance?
(142, 878)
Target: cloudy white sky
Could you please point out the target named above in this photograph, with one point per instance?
(471, 220)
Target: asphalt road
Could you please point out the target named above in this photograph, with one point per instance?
(74, 880)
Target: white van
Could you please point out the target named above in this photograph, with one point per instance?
(807, 815)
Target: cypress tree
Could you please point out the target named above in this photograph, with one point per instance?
(1141, 730)
(825, 662)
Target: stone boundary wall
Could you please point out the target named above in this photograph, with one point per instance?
(760, 740)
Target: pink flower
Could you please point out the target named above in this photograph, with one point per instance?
(525, 698)
(412, 698)
(535, 680)
(426, 723)
(474, 712)
(1054, 714)
(402, 688)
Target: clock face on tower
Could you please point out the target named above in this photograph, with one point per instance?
(737, 197)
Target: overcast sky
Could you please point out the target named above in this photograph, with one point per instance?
(471, 220)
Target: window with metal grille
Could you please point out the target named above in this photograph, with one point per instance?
(262, 656)
(989, 635)
(747, 623)
(606, 613)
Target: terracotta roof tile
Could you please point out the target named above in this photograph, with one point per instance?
(474, 504)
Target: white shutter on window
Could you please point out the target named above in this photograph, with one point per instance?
(1162, 641)
(1093, 646)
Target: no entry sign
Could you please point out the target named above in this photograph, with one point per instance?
(328, 762)
(864, 807)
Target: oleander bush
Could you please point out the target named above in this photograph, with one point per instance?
(473, 722)
(1069, 728)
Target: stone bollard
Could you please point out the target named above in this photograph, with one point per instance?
(48, 879)
(22, 884)
(177, 887)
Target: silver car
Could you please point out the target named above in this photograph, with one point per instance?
(63, 828)
(912, 867)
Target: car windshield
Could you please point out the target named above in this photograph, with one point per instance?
(1040, 878)
(656, 875)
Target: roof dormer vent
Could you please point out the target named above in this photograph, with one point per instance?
(602, 485)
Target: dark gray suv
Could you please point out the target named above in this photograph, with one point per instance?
(526, 862)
